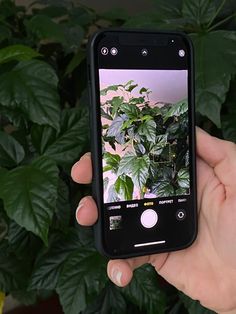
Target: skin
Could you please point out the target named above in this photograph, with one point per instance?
(206, 271)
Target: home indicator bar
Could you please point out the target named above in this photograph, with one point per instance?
(149, 243)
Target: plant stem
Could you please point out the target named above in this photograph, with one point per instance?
(216, 13)
(221, 22)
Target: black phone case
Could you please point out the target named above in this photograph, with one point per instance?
(97, 190)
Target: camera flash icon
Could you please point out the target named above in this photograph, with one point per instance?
(104, 51)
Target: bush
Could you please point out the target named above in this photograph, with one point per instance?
(134, 122)
(44, 130)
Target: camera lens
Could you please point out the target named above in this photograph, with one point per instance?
(181, 53)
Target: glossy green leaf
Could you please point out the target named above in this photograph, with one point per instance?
(163, 189)
(34, 199)
(136, 167)
(140, 149)
(13, 273)
(170, 9)
(112, 195)
(3, 222)
(11, 152)
(15, 116)
(112, 161)
(83, 274)
(176, 109)
(42, 137)
(31, 88)
(211, 96)
(161, 142)
(63, 207)
(110, 301)
(126, 163)
(127, 84)
(70, 35)
(143, 90)
(148, 129)
(104, 91)
(17, 52)
(116, 102)
(116, 126)
(67, 145)
(43, 27)
(130, 87)
(212, 82)
(131, 110)
(49, 264)
(105, 114)
(145, 292)
(183, 178)
(23, 243)
(124, 187)
(166, 15)
(199, 12)
(137, 100)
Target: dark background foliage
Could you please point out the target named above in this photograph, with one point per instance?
(44, 130)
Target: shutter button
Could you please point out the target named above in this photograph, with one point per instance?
(149, 218)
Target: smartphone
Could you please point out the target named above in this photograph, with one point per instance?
(143, 141)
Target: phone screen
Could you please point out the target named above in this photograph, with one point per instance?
(145, 129)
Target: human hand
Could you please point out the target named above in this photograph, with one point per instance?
(206, 271)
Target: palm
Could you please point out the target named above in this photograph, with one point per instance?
(200, 269)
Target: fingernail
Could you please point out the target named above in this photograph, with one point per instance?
(116, 275)
(74, 167)
(77, 211)
(86, 155)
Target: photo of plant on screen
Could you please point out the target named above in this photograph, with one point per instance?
(145, 142)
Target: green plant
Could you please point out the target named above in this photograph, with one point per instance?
(152, 135)
(43, 130)
(211, 26)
